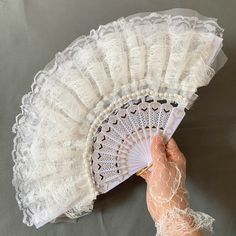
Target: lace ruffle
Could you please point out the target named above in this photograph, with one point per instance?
(184, 222)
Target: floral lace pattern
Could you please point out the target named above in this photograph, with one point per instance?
(186, 221)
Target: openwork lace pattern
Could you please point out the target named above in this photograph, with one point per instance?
(184, 222)
(122, 141)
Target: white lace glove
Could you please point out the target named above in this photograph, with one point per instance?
(166, 195)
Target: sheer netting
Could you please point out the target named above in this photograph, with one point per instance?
(167, 198)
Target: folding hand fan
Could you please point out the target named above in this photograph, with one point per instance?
(87, 124)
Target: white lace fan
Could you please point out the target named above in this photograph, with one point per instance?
(87, 124)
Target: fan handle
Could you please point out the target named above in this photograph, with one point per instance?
(143, 170)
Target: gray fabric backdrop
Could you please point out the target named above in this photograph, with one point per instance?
(31, 32)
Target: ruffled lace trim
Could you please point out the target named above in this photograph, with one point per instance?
(206, 24)
(177, 222)
(20, 168)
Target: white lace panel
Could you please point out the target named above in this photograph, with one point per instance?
(122, 142)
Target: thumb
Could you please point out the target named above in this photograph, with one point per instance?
(158, 150)
(174, 154)
(145, 175)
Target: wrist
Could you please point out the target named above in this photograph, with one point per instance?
(159, 208)
(180, 222)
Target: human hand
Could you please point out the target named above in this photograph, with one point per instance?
(166, 195)
(166, 179)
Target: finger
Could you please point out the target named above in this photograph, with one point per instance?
(145, 175)
(174, 154)
(158, 150)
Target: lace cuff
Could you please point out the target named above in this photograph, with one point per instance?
(177, 222)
